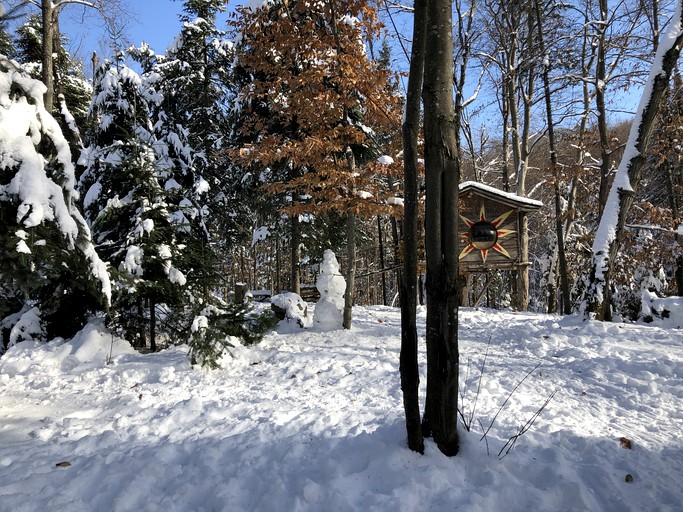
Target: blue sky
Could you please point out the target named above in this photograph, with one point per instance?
(153, 21)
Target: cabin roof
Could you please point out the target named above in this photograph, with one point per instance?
(492, 193)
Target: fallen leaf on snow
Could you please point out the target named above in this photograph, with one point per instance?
(625, 442)
(63, 464)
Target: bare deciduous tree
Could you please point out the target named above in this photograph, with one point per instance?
(50, 10)
(622, 192)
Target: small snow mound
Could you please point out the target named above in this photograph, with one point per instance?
(95, 343)
(291, 306)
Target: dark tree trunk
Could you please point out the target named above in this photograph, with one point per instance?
(295, 275)
(396, 241)
(380, 240)
(410, 376)
(152, 325)
(278, 278)
(600, 77)
(441, 214)
(142, 336)
(350, 268)
(561, 252)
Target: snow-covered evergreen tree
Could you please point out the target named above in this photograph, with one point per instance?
(125, 200)
(186, 94)
(192, 79)
(188, 98)
(48, 266)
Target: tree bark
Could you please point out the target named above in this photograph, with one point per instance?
(600, 79)
(380, 240)
(441, 212)
(350, 268)
(522, 168)
(554, 169)
(142, 336)
(505, 145)
(613, 221)
(410, 375)
(278, 278)
(295, 274)
(48, 40)
(523, 268)
(518, 84)
(152, 325)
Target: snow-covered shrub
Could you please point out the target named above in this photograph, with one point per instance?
(217, 329)
(29, 326)
(632, 298)
(23, 325)
(650, 287)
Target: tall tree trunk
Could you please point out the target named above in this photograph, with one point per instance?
(555, 170)
(410, 375)
(142, 335)
(441, 212)
(295, 274)
(505, 145)
(48, 39)
(600, 80)
(350, 267)
(527, 86)
(613, 221)
(396, 242)
(510, 92)
(551, 283)
(57, 63)
(152, 324)
(523, 267)
(278, 278)
(380, 240)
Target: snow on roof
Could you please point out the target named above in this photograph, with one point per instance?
(506, 197)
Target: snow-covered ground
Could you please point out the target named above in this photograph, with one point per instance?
(313, 421)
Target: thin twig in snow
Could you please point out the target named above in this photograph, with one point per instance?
(508, 398)
(524, 428)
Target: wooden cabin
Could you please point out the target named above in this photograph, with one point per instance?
(491, 228)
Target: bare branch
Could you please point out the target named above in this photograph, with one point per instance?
(507, 399)
(524, 428)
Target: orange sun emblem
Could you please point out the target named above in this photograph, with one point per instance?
(485, 235)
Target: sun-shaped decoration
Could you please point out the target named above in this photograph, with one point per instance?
(484, 235)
